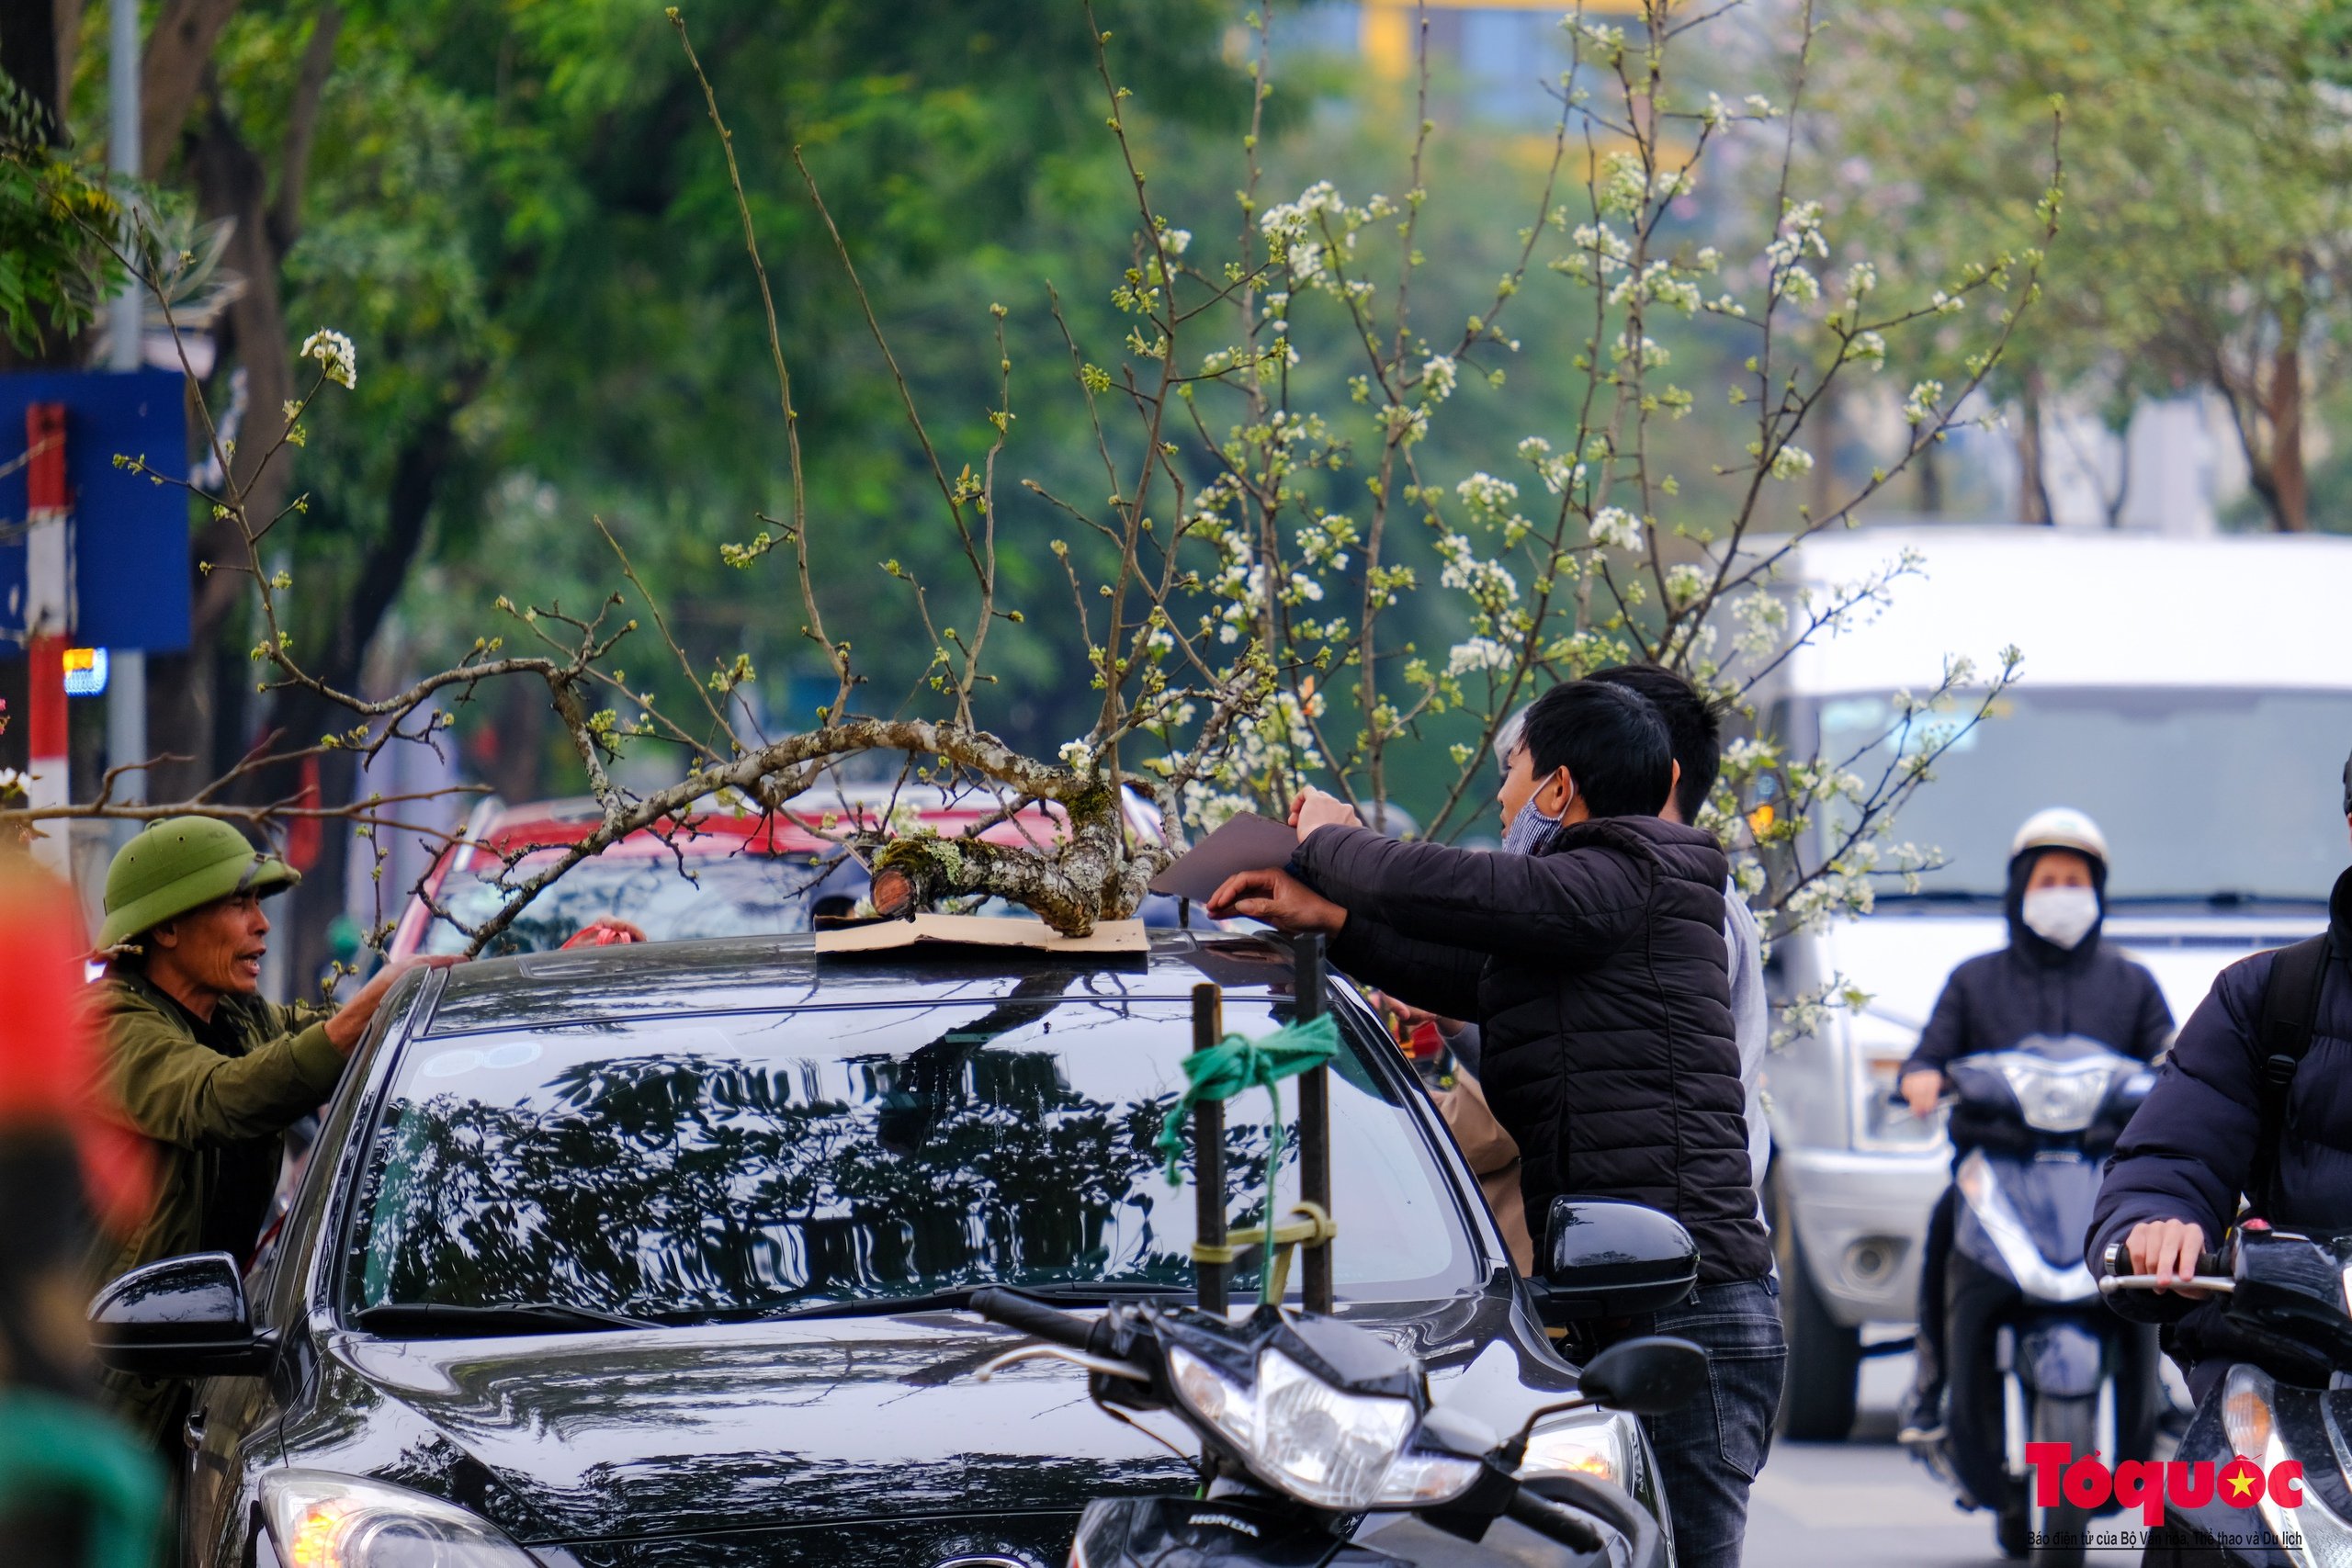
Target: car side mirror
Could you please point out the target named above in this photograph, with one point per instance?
(184, 1317)
(1603, 1257)
(1650, 1376)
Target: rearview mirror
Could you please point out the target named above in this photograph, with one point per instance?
(1603, 1257)
(184, 1317)
(1645, 1377)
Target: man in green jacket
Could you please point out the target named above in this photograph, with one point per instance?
(196, 1062)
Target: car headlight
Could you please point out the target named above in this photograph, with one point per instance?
(1881, 1122)
(2053, 1099)
(321, 1520)
(1327, 1447)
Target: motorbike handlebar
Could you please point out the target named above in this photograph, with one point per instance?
(1560, 1520)
(2114, 1262)
(1035, 1317)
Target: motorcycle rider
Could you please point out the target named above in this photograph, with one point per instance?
(2055, 977)
(2173, 1186)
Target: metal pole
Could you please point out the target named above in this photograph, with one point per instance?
(122, 157)
(1313, 1122)
(126, 667)
(1208, 1155)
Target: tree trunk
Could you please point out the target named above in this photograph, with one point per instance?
(2033, 485)
(2289, 492)
(1931, 480)
(172, 76)
(230, 182)
(298, 717)
(29, 58)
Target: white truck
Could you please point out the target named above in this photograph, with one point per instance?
(2193, 695)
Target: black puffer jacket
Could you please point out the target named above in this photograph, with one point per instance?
(2191, 1149)
(1597, 973)
(2034, 987)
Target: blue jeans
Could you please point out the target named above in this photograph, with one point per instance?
(1710, 1450)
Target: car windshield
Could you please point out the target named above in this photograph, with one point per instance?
(2202, 794)
(751, 1165)
(734, 894)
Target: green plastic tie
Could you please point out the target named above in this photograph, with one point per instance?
(1224, 1069)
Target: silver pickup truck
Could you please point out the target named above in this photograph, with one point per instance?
(2193, 697)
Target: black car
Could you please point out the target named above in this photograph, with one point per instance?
(651, 1256)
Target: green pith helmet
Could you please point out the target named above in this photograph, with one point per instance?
(181, 863)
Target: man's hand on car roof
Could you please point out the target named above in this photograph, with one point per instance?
(605, 930)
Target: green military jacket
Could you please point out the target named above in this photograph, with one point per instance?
(214, 1100)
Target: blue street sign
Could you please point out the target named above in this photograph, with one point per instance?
(130, 534)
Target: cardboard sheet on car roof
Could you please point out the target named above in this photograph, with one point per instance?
(981, 931)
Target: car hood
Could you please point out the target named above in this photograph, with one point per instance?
(680, 1432)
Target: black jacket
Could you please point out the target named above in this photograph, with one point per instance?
(2034, 987)
(2189, 1152)
(1597, 973)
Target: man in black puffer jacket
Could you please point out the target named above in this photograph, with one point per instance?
(1591, 953)
(2175, 1179)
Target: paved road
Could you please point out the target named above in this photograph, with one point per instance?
(1865, 1502)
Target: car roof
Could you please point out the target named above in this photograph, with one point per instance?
(2087, 607)
(769, 973)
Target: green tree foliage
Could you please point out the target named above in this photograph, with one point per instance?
(2208, 171)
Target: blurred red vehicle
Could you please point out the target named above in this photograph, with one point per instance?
(716, 874)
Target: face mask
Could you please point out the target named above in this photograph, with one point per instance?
(1530, 832)
(2061, 916)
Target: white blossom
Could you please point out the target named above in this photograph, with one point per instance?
(1478, 653)
(1791, 461)
(1437, 378)
(1614, 527)
(1920, 406)
(335, 356)
(1483, 492)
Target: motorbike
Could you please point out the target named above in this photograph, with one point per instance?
(2030, 1354)
(1319, 1445)
(2281, 1415)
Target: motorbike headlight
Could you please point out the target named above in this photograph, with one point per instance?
(322, 1520)
(2310, 1535)
(1583, 1445)
(1327, 1447)
(1216, 1398)
(2055, 1101)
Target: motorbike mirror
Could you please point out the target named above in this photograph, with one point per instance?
(1650, 1376)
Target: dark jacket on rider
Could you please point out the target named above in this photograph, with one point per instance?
(1596, 971)
(2191, 1152)
(2035, 987)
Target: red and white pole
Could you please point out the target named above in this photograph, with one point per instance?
(49, 620)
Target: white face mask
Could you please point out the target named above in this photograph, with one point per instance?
(2061, 916)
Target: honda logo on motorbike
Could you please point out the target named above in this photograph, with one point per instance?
(2147, 1485)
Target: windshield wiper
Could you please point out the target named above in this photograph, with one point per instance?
(503, 1318)
(2222, 898)
(948, 1301)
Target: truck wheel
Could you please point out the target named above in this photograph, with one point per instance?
(1824, 1355)
(2074, 1422)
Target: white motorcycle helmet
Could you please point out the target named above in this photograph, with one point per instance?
(2060, 828)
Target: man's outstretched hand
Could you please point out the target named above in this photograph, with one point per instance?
(1312, 808)
(1280, 899)
(352, 1018)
